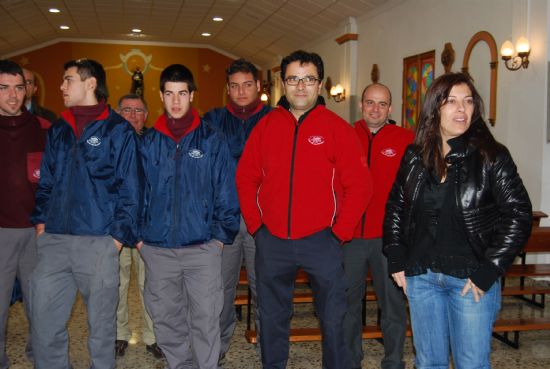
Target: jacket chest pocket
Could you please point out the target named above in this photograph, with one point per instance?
(33, 166)
(96, 155)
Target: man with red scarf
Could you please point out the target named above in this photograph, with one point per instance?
(191, 211)
(236, 120)
(87, 205)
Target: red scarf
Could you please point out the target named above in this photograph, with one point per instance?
(179, 126)
(84, 115)
(245, 112)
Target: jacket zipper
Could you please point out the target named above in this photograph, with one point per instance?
(176, 198)
(291, 177)
(364, 217)
(69, 185)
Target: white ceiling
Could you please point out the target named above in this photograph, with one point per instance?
(259, 30)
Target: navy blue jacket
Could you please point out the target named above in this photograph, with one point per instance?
(235, 129)
(92, 185)
(190, 193)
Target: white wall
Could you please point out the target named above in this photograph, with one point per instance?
(410, 27)
(414, 26)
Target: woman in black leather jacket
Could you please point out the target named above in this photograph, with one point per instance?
(457, 216)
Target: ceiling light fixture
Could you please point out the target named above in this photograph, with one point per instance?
(206, 34)
(64, 27)
(54, 10)
(217, 19)
(136, 30)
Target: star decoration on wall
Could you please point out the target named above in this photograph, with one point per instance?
(206, 68)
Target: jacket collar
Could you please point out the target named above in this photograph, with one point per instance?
(68, 116)
(283, 103)
(459, 149)
(161, 125)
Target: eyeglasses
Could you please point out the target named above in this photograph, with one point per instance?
(128, 110)
(307, 80)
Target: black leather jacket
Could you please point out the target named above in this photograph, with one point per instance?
(494, 204)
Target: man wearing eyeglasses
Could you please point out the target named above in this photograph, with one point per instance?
(236, 120)
(133, 108)
(31, 103)
(87, 206)
(303, 184)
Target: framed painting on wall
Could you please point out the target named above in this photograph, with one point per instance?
(418, 74)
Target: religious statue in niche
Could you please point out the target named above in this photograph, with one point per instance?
(137, 82)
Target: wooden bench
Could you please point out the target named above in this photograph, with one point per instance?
(374, 332)
(504, 327)
(539, 242)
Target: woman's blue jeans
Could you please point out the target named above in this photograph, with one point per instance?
(443, 321)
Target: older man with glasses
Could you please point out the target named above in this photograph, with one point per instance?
(133, 108)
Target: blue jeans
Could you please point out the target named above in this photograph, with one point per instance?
(443, 320)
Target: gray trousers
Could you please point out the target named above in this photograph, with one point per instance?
(183, 294)
(359, 256)
(122, 330)
(231, 265)
(17, 258)
(67, 264)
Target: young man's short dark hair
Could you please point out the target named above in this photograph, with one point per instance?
(10, 67)
(177, 73)
(87, 68)
(241, 65)
(304, 58)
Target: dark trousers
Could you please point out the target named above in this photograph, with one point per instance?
(360, 255)
(277, 261)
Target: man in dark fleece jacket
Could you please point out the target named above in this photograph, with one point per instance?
(22, 140)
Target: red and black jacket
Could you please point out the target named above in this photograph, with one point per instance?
(299, 177)
(384, 151)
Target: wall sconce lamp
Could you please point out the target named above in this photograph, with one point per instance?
(515, 62)
(266, 87)
(338, 93)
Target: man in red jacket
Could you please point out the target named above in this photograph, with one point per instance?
(303, 184)
(384, 145)
(22, 141)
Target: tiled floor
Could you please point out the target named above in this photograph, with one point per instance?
(534, 351)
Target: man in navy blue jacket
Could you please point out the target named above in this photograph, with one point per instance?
(236, 120)
(191, 211)
(87, 205)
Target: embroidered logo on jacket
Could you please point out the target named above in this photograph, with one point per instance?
(93, 141)
(316, 140)
(36, 173)
(389, 152)
(195, 153)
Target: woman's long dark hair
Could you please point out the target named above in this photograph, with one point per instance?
(428, 136)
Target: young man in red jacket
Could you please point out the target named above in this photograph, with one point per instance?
(303, 184)
(22, 141)
(384, 145)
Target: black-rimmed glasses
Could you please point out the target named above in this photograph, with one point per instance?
(307, 80)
